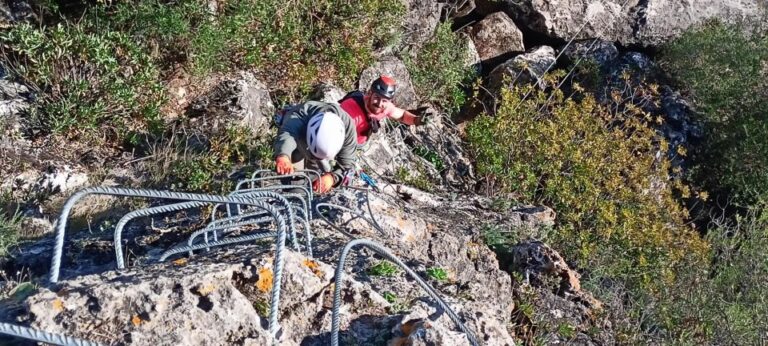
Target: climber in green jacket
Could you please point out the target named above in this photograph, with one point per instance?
(312, 135)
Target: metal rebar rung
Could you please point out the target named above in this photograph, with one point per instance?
(384, 252)
(236, 240)
(279, 242)
(42, 336)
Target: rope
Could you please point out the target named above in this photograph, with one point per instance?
(42, 336)
(384, 252)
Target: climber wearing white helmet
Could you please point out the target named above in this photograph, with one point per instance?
(316, 132)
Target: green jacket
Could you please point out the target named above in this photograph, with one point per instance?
(292, 135)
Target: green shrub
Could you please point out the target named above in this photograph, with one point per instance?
(390, 297)
(729, 304)
(726, 72)
(431, 156)
(598, 168)
(437, 274)
(440, 72)
(179, 167)
(382, 268)
(10, 226)
(89, 84)
(417, 179)
(291, 46)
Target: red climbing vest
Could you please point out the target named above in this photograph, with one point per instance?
(354, 104)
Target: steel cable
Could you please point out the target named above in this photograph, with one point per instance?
(354, 212)
(273, 189)
(384, 252)
(43, 336)
(214, 226)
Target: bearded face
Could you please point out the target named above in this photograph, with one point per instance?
(376, 104)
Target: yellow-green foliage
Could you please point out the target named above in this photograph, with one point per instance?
(605, 174)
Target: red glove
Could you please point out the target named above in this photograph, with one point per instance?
(323, 184)
(283, 165)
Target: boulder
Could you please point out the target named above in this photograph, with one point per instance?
(472, 56)
(661, 20)
(645, 23)
(421, 20)
(198, 303)
(14, 99)
(495, 36)
(56, 179)
(598, 51)
(14, 11)
(525, 68)
(392, 66)
(243, 100)
(326, 92)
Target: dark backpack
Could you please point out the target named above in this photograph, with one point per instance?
(359, 98)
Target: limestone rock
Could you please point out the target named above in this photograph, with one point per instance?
(525, 68)
(496, 35)
(243, 100)
(420, 22)
(646, 23)
(599, 51)
(326, 93)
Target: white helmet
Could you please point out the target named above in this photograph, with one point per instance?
(325, 135)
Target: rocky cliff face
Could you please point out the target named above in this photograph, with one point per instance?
(221, 297)
(631, 22)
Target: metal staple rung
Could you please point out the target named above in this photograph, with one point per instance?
(279, 242)
(43, 336)
(230, 241)
(384, 252)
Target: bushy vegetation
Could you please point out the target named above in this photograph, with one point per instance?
(102, 74)
(725, 70)
(90, 84)
(292, 46)
(618, 216)
(729, 301)
(440, 72)
(382, 268)
(178, 165)
(10, 225)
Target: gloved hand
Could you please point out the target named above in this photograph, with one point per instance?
(283, 165)
(323, 184)
(424, 115)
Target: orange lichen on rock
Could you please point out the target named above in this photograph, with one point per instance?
(264, 284)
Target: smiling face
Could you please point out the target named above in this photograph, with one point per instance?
(376, 103)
